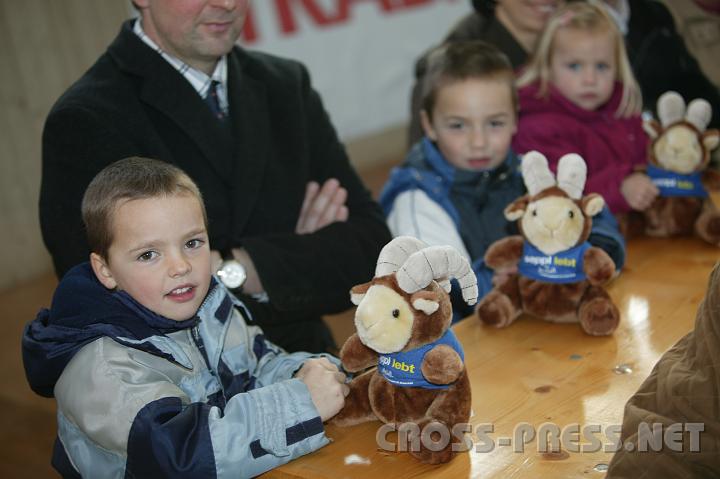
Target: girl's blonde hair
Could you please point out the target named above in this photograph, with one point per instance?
(587, 16)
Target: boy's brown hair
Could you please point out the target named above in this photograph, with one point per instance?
(125, 180)
(458, 61)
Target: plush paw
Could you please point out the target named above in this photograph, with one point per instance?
(707, 227)
(434, 454)
(599, 317)
(497, 310)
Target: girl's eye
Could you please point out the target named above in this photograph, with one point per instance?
(497, 123)
(602, 67)
(573, 66)
(147, 256)
(194, 243)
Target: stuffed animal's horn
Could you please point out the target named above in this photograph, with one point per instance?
(670, 108)
(699, 113)
(438, 263)
(571, 175)
(536, 173)
(395, 253)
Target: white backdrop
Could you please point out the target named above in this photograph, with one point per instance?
(360, 53)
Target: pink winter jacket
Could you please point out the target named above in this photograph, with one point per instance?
(611, 146)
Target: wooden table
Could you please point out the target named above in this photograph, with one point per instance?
(537, 372)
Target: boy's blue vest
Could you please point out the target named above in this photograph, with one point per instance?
(675, 184)
(563, 267)
(403, 368)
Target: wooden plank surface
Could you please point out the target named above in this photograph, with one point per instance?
(536, 372)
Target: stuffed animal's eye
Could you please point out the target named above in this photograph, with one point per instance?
(571, 214)
(396, 313)
(534, 212)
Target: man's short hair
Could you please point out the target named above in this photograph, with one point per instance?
(125, 180)
(458, 61)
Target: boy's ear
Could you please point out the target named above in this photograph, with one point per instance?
(427, 125)
(102, 271)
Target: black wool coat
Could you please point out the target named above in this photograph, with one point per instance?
(252, 173)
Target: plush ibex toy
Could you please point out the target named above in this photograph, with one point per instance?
(677, 161)
(402, 320)
(560, 275)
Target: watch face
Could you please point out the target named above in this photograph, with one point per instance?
(232, 274)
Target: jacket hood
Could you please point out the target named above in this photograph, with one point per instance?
(83, 310)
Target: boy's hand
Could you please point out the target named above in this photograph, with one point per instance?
(322, 206)
(639, 191)
(326, 385)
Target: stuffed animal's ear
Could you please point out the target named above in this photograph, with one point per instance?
(426, 301)
(711, 139)
(516, 209)
(357, 293)
(652, 128)
(445, 284)
(592, 204)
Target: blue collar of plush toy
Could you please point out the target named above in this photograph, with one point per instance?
(404, 368)
(675, 184)
(563, 267)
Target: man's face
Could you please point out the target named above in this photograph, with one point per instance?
(473, 122)
(159, 255)
(197, 32)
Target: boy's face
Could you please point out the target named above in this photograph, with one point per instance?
(159, 255)
(473, 122)
(583, 66)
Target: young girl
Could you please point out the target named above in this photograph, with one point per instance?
(578, 94)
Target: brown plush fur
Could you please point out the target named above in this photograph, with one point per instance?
(372, 397)
(679, 216)
(584, 302)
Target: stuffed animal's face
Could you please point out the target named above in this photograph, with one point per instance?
(383, 319)
(679, 150)
(553, 224)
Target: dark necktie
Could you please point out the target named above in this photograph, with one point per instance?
(212, 100)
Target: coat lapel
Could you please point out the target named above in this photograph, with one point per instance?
(252, 140)
(165, 90)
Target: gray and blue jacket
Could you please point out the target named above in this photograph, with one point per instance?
(438, 203)
(140, 395)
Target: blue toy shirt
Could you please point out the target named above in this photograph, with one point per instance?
(675, 184)
(403, 368)
(563, 267)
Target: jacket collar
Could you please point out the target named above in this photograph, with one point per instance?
(448, 172)
(530, 102)
(83, 310)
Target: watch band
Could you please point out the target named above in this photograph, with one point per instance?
(226, 254)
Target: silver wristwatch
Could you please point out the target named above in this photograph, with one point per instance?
(231, 273)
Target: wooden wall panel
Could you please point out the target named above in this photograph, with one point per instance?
(45, 45)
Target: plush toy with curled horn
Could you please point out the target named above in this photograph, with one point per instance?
(403, 318)
(678, 157)
(560, 275)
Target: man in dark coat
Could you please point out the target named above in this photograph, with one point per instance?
(250, 131)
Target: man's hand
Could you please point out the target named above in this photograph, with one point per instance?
(326, 385)
(322, 206)
(639, 191)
